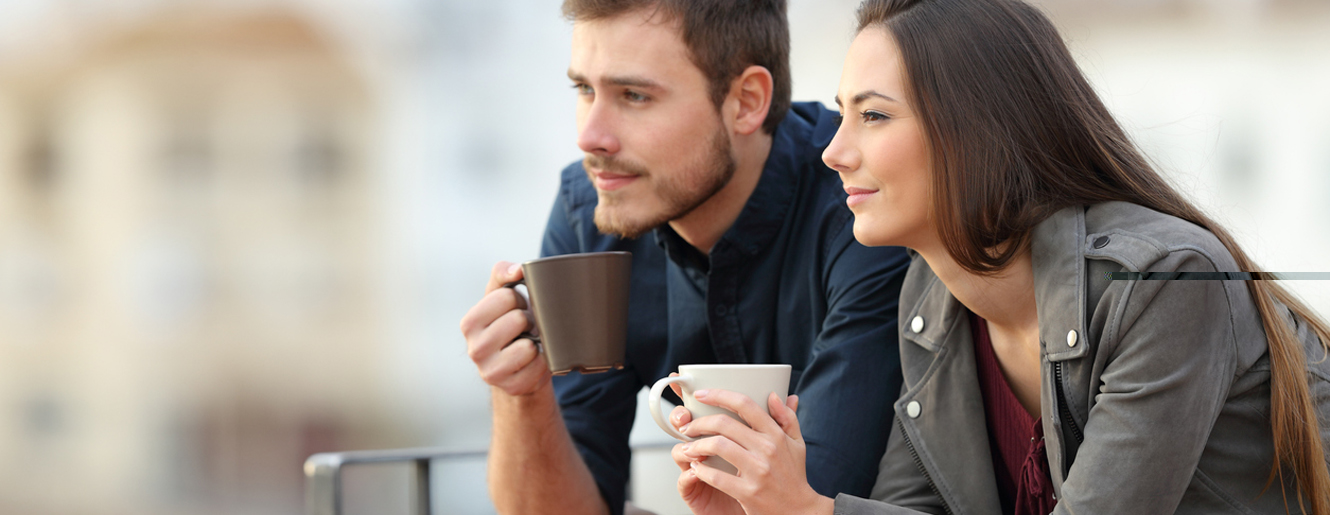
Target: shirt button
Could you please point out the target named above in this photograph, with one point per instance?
(917, 325)
(912, 409)
(1071, 338)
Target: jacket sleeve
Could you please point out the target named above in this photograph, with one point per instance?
(1168, 365)
(855, 350)
(901, 488)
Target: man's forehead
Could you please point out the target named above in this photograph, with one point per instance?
(628, 45)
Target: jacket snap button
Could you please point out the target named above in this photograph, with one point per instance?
(912, 409)
(1071, 338)
(1101, 242)
(917, 325)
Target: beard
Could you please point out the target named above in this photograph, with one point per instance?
(680, 194)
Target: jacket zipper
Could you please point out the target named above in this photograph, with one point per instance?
(1063, 410)
(920, 464)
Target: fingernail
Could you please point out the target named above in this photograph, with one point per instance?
(678, 416)
(684, 429)
(685, 447)
(701, 393)
(692, 473)
(513, 268)
(692, 464)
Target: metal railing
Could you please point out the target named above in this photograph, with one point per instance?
(323, 473)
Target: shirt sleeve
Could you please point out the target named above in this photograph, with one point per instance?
(847, 391)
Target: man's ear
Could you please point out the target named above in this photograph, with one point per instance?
(752, 92)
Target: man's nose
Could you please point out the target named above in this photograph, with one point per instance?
(597, 132)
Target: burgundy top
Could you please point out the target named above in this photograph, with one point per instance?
(1015, 438)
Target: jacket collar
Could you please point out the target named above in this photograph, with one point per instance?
(1057, 255)
(1057, 248)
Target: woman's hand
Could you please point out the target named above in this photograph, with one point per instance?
(701, 498)
(769, 456)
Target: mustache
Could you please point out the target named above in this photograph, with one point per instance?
(613, 164)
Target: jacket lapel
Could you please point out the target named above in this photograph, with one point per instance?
(948, 430)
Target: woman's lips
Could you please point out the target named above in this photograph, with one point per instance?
(857, 196)
(609, 181)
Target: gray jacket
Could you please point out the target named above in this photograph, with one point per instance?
(1155, 394)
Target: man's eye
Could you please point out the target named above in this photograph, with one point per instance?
(633, 96)
(583, 89)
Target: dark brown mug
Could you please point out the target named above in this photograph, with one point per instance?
(580, 306)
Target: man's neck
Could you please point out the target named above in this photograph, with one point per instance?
(703, 226)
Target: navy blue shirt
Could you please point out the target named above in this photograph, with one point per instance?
(787, 283)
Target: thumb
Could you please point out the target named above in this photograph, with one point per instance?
(503, 273)
(784, 415)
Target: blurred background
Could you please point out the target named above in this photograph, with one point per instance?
(235, 233)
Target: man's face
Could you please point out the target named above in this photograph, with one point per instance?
(654, 142)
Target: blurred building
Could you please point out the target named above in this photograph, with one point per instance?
(188, 292)
(236, 233)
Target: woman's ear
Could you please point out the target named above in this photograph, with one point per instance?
(752, 92)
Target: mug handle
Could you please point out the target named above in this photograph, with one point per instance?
(653, 400)
(525, 334)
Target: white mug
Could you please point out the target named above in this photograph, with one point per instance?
(755, 381)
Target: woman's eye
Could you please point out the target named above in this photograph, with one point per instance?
(873, 116)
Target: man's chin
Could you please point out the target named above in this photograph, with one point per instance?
(613, 222)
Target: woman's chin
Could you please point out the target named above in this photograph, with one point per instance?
(868, 235)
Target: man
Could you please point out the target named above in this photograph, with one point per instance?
(742, 248)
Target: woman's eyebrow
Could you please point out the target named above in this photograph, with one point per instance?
(865, 96)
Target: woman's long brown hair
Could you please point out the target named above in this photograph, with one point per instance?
(1016, 133)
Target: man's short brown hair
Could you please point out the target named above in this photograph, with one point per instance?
(723, 37)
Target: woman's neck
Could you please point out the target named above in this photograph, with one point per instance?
(1005, 299)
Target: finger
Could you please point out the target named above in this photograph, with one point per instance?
(680, 457)
(784, 415)
(727, 484)
(689, 485)
(793, 402)
(490, 307)
(727, 449)
(678, 390)
(500, 333)
(503, 273)
(529, 378)
(741, 404)
(500, 366)
(680, 416)
(727, 426)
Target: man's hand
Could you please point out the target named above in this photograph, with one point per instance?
(490, 327)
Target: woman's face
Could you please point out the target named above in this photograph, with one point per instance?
(879, 148)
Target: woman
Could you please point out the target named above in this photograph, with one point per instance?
(1033, 382)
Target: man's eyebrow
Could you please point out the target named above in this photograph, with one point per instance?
(865, 96)
(634, 81)
(631, 81)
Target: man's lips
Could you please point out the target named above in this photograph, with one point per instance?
(857, 195)
(610, 181)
